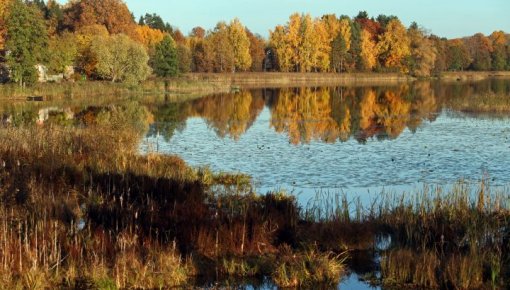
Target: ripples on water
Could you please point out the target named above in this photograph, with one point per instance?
(295, 140)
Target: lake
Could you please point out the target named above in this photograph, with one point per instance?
(352, 140)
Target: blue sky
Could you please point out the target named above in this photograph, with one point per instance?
(448, 18)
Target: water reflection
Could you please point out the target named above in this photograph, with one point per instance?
(336, 114)
(350, 139)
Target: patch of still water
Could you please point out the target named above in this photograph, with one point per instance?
(452, 147)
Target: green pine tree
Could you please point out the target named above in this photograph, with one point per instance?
(27, 41)
(164, 62)
(338, 53)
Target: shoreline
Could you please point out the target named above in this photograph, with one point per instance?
(194, 84)
(248, 80)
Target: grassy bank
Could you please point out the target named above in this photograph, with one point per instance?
(198, 84)
(173, 88)
(195, 85)
(274, 79)
(473, 75)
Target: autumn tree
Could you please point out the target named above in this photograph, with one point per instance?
(302, 45)
(321, 47)
(480, 49)
(64, 52)
(120, 58)
(282, 49)
(293, 38)
(86, 60)
(4, 12)
(197, 32)
(393, 46)
(218, 50)
(368, 54)
(369, 24)
(257, 51)
(332, 25)
(113, 14)
(148, 36)
(27, 41)
(457, 55)
(306, 45)
(423, 53)
(164, 62)
(241, 45)
(197, 47)
(499, 53)
(178, 37)
(184, 58)
(199, 56)
(441, 45)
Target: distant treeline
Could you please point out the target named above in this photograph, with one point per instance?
(101, 39)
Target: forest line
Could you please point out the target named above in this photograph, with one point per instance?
(102, 40)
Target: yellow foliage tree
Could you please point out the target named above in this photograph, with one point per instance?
(4, 9)
(423, 53)
(332, 26)
(345, 31)
(394, 46)
(293, 38)
(368, 50)
(84, 37)
(303, 44)
(307, 53)
(282, 49)
(241, 45)
(147, 36)
(322, 46)
(498, 38)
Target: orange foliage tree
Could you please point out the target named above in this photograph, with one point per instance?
(4, 8)
(113, 14)
(393, 46)
(147, 36)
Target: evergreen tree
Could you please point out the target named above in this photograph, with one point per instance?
(355, 51)
(338, 53)
(27, 41)
(156, 22)
(164, 62)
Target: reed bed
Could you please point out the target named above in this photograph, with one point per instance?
(81, 208)
(95, 89)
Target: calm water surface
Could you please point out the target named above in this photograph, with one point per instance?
(351, 140)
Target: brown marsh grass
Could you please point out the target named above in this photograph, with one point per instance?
(81, 208)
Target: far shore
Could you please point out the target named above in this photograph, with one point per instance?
(193, 85)
(278, 79)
